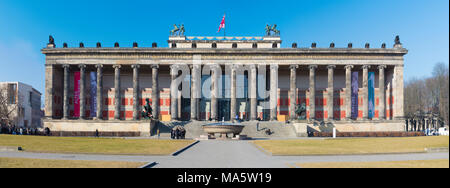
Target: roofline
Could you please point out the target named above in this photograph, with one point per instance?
(393, 51)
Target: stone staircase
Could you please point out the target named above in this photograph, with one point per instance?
(252, 129)
(277, 130)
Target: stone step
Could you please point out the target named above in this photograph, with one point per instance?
(252, 129)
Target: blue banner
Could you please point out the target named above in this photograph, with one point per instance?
(371, 94)
(354, 94)
(93, 106)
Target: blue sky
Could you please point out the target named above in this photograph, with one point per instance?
(423, 26)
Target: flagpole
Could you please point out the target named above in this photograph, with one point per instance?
(224, 29)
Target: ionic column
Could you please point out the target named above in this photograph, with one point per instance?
(348, 92)
(173, 92)
(312, 92)
(381, 93)
(135, 91)
(214, 90)
(49, 91)
(365, 91)
(195, 90)
(398, 93)
(82, 94)
(330, 101)
(253, 94)
(155, 91)
(117, 99)
(99, 91)
(233, 94)
(293, 93)
(66, 92)
(273, 92)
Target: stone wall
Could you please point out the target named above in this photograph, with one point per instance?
(144, 127)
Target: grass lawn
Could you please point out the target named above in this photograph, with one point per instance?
(47, 163)
(440, 163)
(352, 145)
(94, 145)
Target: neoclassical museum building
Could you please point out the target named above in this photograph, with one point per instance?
(105, 88)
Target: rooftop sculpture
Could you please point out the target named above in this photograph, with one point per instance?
(272, 28)
(177, 30)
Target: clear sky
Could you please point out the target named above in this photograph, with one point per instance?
(423, 26)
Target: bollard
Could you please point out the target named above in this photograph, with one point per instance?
(334, 132)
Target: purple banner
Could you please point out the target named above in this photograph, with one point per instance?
(76, 94)
(93, 109)
(371, 96)
(354, 94)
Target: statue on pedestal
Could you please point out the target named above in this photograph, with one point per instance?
(300, 110)
(147, 113)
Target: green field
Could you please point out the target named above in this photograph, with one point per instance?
(343, 146)
(46, 163)
(439, 163)
(94, 145)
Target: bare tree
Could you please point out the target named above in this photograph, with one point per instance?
(429, 95)
(8, 109)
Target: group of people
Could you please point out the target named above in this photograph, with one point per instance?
(12, 129)
(178, 132)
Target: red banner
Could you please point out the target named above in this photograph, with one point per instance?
(76, 94)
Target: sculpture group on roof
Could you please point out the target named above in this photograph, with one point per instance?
(272, 28)
(177, 30)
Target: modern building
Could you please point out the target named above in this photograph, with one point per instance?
(252, 78)
(23, 104)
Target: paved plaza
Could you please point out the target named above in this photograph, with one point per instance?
(229, 154)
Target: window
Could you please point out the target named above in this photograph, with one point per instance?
(30, 99)
(12, 91)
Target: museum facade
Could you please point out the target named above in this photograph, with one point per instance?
(223, 78)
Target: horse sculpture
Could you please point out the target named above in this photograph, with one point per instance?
(275, 30)
(174, 30)
(147, 113)
(272, 28)
(300, 110)
(177, 30)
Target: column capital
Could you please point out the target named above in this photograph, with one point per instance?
(252, 66)
(382, 66)
(174, 70)
(274, 66)
(349, 66)
(365, 67)
(99, 66)
(117, 66)
(135, 66)
(66, 66)
(214, 66)
(331, 66)
(195, 66)
(235, 66)
(293, 67)
(154, 66)
(82, 66)
(312, 66)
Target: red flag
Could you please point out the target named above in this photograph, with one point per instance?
(222, 23)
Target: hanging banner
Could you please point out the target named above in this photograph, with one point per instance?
(76, 94)
(93, 108)
(354, 95)
(371, 95)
